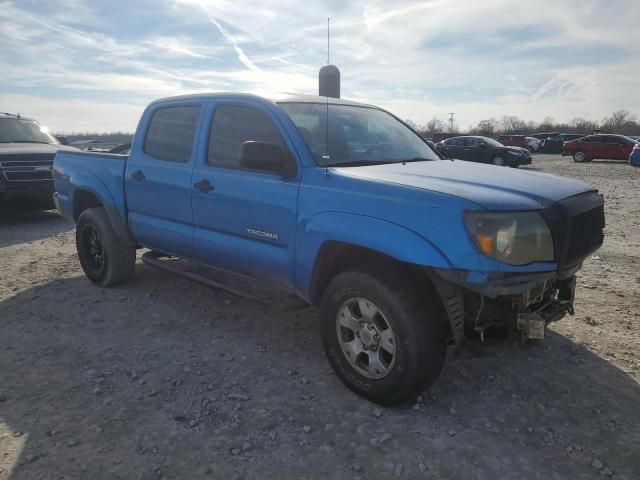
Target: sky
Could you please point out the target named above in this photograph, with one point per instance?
(93, 65)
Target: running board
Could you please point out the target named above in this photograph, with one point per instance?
(238, 285)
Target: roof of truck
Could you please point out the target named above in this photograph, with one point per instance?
(16, 116)
(278, 98)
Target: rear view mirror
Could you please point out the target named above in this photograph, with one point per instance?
(267, 157)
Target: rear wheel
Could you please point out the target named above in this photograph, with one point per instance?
(104, 258)
(580, 156)
(384, 342)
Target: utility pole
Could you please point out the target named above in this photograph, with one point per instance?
(451, 114)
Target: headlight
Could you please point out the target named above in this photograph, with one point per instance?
(517, 154)
(516, 238)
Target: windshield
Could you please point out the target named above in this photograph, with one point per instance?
(20, 130)
(492, 142)
(347, 135)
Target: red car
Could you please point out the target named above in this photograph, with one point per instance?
(585, 149)
(513, 141)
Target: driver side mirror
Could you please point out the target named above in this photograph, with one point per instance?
(483, 146)
(267, 157)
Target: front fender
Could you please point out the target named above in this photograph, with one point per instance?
(382, 236)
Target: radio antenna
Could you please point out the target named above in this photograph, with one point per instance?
(328, 57)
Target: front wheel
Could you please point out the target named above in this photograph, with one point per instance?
(580, 156)
(384, 342)
(104, 258)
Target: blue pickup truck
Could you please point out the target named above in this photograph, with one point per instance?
(403, 252)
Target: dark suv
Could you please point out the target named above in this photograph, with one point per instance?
(484, 150)
(554, 144)
(26, 158)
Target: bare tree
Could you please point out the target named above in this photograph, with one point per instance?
(621, 121)
(486, 127)
(547, 125)
(413, 124)
(512, 124)
(582, 125)
(433, 126)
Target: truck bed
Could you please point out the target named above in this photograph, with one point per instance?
(79, 176)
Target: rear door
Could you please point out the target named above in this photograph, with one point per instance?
(246, 222)
(619, 147)
(158, 178)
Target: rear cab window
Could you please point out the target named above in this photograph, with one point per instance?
(171, 133)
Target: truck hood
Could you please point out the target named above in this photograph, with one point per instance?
(26, 148)
(489, 186)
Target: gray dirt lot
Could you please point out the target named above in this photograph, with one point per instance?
(164, 378)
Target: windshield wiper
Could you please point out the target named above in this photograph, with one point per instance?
(357, 163)
(362, 163)
(415, 159)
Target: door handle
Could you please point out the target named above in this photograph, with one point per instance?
(138, 176)
(204, 186)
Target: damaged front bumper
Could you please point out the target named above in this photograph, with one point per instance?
(504, 302)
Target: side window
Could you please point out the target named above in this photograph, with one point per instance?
(589, 139)
(170, 133)
(454, 142)
(472, 142)
(616, 140)
(233, 125)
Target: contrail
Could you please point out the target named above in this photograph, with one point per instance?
(246, 61)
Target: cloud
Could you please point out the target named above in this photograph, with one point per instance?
(75, 116)
(176, 46)
(418, 59)
(246, 61)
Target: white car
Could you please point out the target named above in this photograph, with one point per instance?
(533, 144)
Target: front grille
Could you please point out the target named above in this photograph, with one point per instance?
(577, 225)
(585, 233)
(27, 167)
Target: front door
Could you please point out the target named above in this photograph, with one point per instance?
(473, 150)
(158, 178)
(245, 221)
(454, 149)
(599, 147)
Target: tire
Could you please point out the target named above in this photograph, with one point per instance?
(498, 160)
(417, 331)
(104, 258)
(580, 156)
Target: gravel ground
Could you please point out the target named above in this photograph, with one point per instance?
(164, 378)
